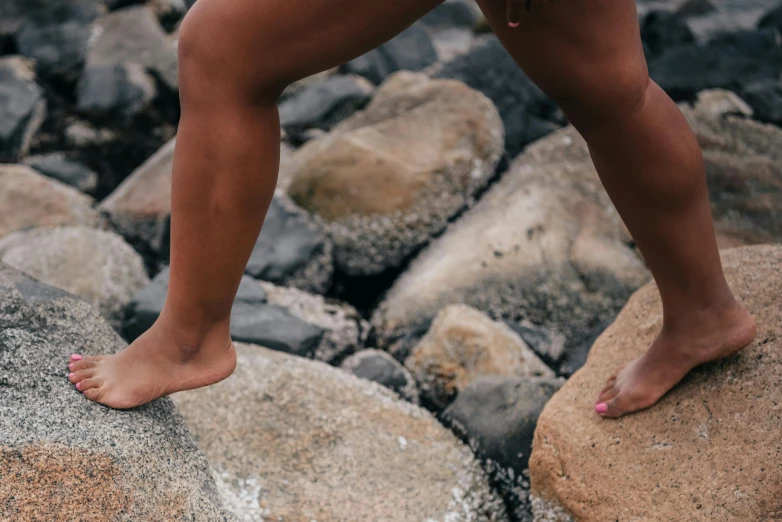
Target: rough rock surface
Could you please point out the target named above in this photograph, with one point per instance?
(496, 415)
(298, 439)
(380, 367)
(292, 249)
(743, 167)
(527, 114)
(544, 245)
(663, 29)
(118, 90)
(64, 458)
(133, 35)
(344, 331)
(96, 265)
(55, 165)
(22, 107)
(710, 450)
(462, 345)
(391, 176)
(28, 199)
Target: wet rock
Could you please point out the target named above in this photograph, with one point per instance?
(56, 36)
(497, 415)
(133, 35)
(292, 249)
(28, 199)
(56, 166)
(254, 318)
(120, 90)
(765, 98)
(462, 345)
(661, 30)
(410, 50)
(344, 448)
(390, 177)
(344, 331)
(731, 61)
(22, 108)
(95, 265)
(323, 104)
(526, 112)
(64, 458)
(378, 366)
(690, 440)
(544, 245)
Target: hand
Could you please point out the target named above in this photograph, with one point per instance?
(517, 8)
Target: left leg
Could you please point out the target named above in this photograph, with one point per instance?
(587, 56)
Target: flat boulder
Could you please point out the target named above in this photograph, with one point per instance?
(96, 265)
(29, 199)
(543, 245)
(298, 440)
(390, 177)
(64, 458)
(710, 450)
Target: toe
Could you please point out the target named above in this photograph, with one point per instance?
(76, 357)
(612, 408)
(94, 394)
(79, 376)
(82, 364)
(88, 384)
(608, 394)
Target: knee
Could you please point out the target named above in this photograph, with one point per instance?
(211, 64)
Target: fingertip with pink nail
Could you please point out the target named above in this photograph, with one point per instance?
(513, 24)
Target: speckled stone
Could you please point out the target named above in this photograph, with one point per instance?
(708, 451)
(64, 458)
(298, 439)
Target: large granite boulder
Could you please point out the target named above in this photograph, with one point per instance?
(389, 178)
(710, 450)
(298, 440)
(462, 345)
(544, 245)
(28, 199)
(64, 458)
(96, 265)
(22, 107)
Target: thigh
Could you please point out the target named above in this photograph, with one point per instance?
(290, 39)
(580, 52)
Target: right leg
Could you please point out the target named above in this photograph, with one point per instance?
(236, 57)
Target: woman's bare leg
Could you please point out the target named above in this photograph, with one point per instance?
(587, 56)
(236, 56)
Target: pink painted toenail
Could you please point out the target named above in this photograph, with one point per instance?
(70, 366)
(76, 357)
(70, 375)
(78, 386)
(513, 24)
(601, 408)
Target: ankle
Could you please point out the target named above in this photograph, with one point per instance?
(191, 337)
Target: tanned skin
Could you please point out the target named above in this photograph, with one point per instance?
(236, 57)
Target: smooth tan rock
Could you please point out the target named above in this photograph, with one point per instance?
(709, 451)
(544, 244)
(98, 266)
(298, 440)
(464, 344)
(388, 178)
(29, 199)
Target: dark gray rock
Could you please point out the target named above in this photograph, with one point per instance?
(379, 366)
(56, 36)
(765, 98)
(323, 104)
(134, 35)
(772, 19)
(411, 50)
(661, 30)
(56, 165)
(695, 8)
(292, 250)
(64, 458)
(547, 344)
(22, 108)
(497, 417)
(526, 112)
(253, 319)
(731, 61)
(119, 90)
(450, 14)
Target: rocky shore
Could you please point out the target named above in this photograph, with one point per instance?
(426, 315)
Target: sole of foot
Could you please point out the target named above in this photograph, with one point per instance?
(151, 367)
(644, 381)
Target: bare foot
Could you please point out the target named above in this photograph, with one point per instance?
(709, 336)
(153, 366)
